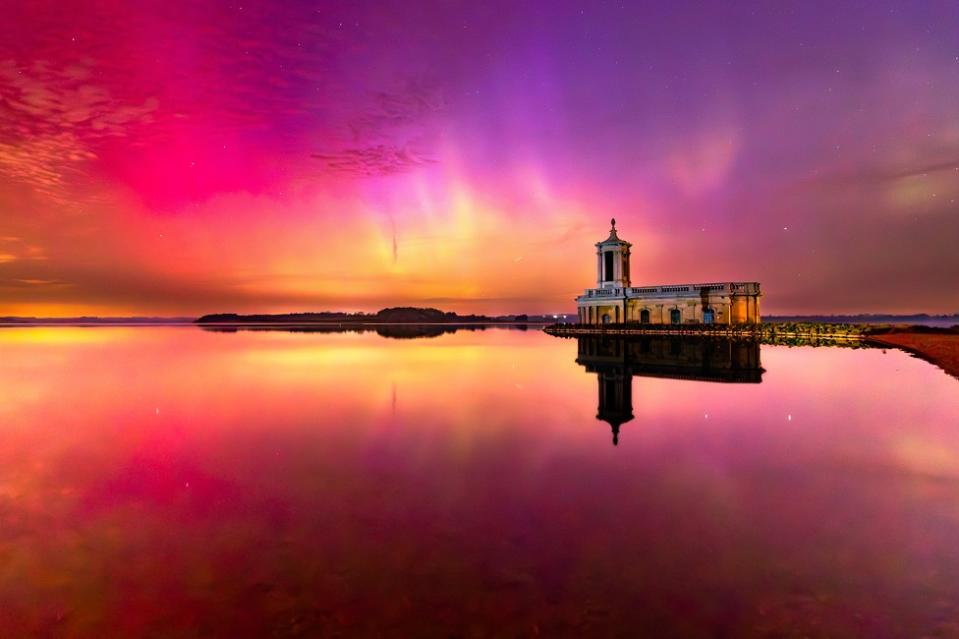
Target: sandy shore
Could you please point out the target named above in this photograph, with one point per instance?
(942, 349)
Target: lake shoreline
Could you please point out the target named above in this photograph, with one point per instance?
(940, 349)
(938, 346)
(755, 331)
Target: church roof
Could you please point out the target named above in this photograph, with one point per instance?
(613, 238)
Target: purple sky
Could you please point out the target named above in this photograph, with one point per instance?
(178, 157)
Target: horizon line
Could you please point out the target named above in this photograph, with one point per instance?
(26, 319)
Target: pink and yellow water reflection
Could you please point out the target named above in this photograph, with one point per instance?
(179, 482)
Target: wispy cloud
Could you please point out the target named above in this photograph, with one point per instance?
(14, 249)
(51, 120)
(40, 282)
(373, 160)
(411, 105)
(389, 134)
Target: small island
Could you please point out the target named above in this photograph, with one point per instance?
(394, 315)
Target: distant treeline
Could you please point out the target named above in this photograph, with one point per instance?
(393, 331)
(398, 315)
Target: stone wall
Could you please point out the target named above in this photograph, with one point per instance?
(736, 309)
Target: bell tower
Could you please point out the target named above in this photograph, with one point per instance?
(612, 261)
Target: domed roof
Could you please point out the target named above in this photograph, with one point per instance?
(613, 238)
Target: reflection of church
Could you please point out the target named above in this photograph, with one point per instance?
(616, 360)
(616, 301)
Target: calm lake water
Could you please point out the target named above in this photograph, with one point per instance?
(183, 482)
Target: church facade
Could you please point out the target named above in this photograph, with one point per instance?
(615, 300)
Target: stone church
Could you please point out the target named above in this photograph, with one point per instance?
(615, 300)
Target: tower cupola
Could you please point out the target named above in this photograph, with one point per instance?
(612, 260)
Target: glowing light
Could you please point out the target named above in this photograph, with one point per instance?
(287, 183)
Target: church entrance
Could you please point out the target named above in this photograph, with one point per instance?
(644, 316)
(605, 318)
(674, 316)
(708, 316)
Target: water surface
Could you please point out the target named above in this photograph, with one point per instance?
(181, 482)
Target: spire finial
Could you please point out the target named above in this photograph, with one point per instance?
(613, 222)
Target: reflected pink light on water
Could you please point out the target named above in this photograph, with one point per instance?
(254, 482)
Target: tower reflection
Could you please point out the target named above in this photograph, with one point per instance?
(615, 360)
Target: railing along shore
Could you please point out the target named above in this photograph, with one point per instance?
(851, 332)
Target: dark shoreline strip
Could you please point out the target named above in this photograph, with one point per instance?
(699, 332)
(931, 348)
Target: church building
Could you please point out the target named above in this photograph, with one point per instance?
(615, 300)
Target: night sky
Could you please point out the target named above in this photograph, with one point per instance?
(179, 158)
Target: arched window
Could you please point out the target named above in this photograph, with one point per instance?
(644, 316)
(675, 317)
(708, 316)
